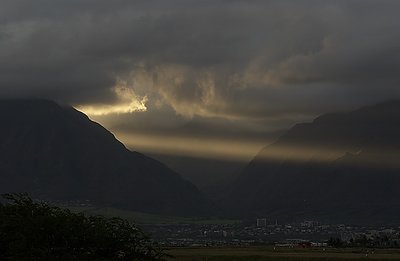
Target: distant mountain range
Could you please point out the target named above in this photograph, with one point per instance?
(342, 167)
(57, 153)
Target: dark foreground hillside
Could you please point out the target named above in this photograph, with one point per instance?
(57, 153)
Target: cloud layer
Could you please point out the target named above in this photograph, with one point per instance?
(264, 63)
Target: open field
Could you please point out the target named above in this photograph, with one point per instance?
(268, 253)
(144, 218)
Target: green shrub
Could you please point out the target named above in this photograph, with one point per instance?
(32, 230)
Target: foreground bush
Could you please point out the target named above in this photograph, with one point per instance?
(32, 230)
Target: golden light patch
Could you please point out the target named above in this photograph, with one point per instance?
(128, 102)
(226, 149)
(238, 150)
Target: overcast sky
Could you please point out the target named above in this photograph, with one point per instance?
(201, 69)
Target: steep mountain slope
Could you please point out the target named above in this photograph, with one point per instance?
(340, 167)
(57, 153)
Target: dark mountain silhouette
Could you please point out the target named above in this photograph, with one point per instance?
(340, 167)
(213, 177)
(57, 153)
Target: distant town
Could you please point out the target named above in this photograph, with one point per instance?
(308, 233)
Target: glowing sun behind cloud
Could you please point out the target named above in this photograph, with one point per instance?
(128, 102)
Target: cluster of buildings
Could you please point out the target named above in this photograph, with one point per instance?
(308, 233)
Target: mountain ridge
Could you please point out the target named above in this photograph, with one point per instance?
(58, 153)
(340, 163)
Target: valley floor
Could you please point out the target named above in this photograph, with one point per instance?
(270, 253)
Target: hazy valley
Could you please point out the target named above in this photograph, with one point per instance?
(342, 167)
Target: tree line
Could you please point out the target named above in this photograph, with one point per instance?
(31, 230)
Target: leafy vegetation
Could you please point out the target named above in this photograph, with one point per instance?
(32, 230)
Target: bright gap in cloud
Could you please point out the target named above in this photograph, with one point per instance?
(128, 102)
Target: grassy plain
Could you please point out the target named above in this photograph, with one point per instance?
(268, 253)
(144, 218)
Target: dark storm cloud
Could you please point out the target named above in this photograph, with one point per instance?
(239, 60)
